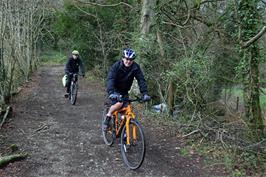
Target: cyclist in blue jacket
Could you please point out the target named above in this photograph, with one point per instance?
(120, 79)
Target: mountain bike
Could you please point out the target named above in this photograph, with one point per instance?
(73, 89)
(125, 127)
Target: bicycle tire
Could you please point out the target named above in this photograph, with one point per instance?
(73, 93)
(108, 136)
(127, 151)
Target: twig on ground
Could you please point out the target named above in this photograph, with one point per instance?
(221, 138)
(22, 131)
(214, 164)
(194, 131)
(43, 127)
(7, 159)
(255, 145)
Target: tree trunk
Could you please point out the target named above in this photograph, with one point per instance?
(2, 30)
(147, 19)
(160, 43)
(171, 97)
(126, 24)
(252, 95)
(171, 88)
(249, 17)
(147, 16)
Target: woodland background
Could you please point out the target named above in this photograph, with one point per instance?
(203, 59)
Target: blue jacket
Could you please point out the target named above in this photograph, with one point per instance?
(120, 78)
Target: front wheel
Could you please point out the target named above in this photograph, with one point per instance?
(73, 93)
(133, 153)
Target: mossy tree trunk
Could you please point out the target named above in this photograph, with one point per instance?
(249, 18)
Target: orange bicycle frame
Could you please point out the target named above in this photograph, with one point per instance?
(128, 114)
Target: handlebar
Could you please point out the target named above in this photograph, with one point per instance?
(130, 100)
(137, 99)
(75, 74)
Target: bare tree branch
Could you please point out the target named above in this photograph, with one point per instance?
(254, 39)
(104, 5)
(90, 14)
(174, 24)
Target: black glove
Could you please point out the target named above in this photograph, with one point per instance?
(83, 75)
(114, 96)
(146, 97)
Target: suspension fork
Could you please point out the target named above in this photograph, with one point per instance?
(134, 131)
(128, 131)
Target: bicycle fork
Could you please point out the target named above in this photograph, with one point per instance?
(134, 131)
(118, 128)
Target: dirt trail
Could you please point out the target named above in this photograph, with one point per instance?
(65, 140)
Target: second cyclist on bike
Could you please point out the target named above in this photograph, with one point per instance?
(73, 66)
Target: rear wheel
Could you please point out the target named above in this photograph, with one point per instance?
(73, 93)
(108, 134)
(133, 154)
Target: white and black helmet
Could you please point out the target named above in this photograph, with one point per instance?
(129, 53)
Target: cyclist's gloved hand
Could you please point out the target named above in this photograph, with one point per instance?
(114, 96)
(146, 97)
(83, 75)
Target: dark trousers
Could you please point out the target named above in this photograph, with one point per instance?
(69, 78)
